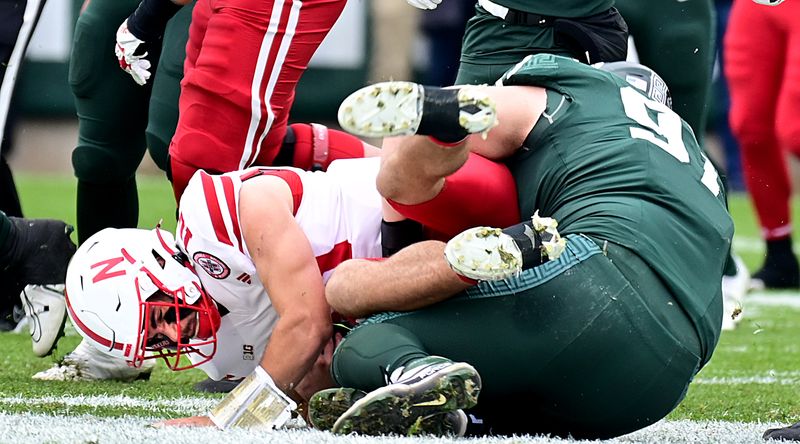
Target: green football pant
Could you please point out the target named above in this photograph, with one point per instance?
(590, 345)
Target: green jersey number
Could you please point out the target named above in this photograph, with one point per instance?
(665, 131)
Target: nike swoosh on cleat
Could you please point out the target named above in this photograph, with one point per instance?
(441, 400)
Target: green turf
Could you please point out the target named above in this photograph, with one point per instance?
(763, 345)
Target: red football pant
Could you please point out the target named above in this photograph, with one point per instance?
(481, 192)
(762, 64)
(243, 61)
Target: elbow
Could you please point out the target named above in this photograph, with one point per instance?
(321, 331)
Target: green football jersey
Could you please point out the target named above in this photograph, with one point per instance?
(607, 161)
(561, 8)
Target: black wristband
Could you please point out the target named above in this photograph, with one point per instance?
(149, 20)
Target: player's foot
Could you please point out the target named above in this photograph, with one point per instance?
(405, 108)
(734, 289)
(416, 400)
(788, 433)
(781, 269)
(86, 363)
(209, 385)
(491, 254)
(41, 251)
(46, 315)
(774, 275)
(326, 406)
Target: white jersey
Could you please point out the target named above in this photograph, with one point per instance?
(338, 210)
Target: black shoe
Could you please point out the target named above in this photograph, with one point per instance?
(211, 386)
(777, 274)
(41, 251)
(790, 433)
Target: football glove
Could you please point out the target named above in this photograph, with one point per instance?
(132, 54)
(424, 4)
(769, 2)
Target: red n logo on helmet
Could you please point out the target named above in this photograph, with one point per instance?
(105, 272)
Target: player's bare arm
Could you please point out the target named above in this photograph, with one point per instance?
(289, 271)
(414, 277)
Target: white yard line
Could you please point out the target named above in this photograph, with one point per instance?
(25, 428)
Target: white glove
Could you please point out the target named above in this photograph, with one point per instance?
(134, 64)
(425, 4)
(769, 2)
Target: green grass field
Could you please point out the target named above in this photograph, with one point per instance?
(753, 377)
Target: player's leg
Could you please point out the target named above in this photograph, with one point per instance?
(754, 63)
(561, 365)
(112, 113)
(250, 90)
(676, 39)
(412, 395)
(163, 111)
(313, 146)
(42, 276)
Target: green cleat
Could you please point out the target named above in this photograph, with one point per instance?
(424, 397)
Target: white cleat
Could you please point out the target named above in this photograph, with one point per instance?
(484, 254)
(395, 109)
(86, 363)
(734, 289)
(45, 315)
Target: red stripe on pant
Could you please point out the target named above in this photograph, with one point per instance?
(225, 41)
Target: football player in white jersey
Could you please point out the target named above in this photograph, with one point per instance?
(245, 276)
(240, 290)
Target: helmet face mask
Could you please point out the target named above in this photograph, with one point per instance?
(120, 280)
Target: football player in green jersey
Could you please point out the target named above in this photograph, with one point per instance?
(603, 334)
(502, 32)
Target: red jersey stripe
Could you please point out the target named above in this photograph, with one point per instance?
(230, 199)
(338, 254)
(214, 211)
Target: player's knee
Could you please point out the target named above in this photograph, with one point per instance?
(158, 149)
(104, 165)
(180, 173)
(750, 130)
(787, 131)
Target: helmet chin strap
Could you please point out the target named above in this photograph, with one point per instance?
(207, 326)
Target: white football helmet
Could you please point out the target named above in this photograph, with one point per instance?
(109, 281)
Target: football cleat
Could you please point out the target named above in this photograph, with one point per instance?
(484, 254)
(417, 400)
(399, 108)
(45, 314)
(734, 289)
(778, 275)
(42, 250)
(491, 254)
(86, 363)
(326, 406)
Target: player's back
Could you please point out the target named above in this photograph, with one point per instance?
(607, 161)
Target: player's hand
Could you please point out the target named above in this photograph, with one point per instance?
(424, 4)
(192, 421)
(132, 54)
(769, 2)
